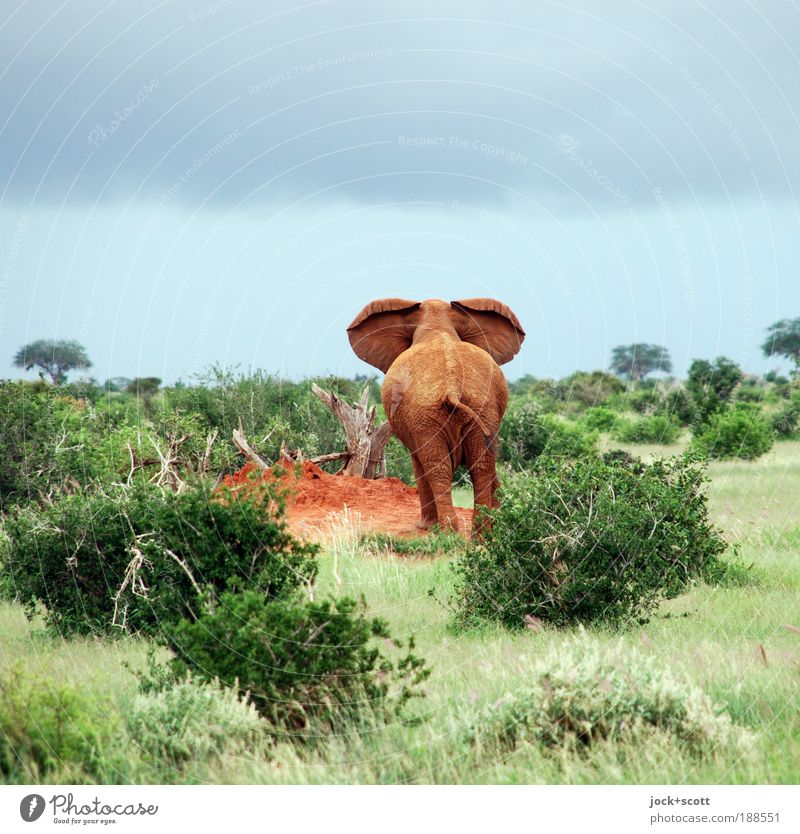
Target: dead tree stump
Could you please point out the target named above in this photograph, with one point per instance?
(366, 442)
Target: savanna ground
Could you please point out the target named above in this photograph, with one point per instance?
(740, 644)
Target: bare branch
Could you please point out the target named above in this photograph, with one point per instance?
(186, 570)
(136, 583)
(240, 441)
(328, 458)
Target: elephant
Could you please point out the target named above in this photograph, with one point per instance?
(443, 392)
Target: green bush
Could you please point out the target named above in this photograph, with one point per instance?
(655, 429)
(588, 540)
(643, 400)
(273, 411)
(30, 416)
(671, 401)
(188, 720)
(752, 389)
(308, 667)
(52, 731)
(64, 732)
(741, 433)
(135, 557)
(599, 418)
(732, 572)
(582, 693)
(786, 421)
(52, 443)
(621, 457)
(711, 385)
(526, 433)
(587, 388)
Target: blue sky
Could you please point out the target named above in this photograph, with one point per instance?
(230, 182)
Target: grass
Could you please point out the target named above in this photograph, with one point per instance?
(740, 644)
(646, 451)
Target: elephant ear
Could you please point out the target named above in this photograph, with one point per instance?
(490, 325)
(383, 330)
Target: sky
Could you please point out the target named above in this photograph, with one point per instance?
(189, 183)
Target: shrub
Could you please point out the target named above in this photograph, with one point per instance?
(732, 572)
(670, 401)
(282, 412)
(740, 433)
(52, 443)
(583, 693)
(752, 389)
(136, 556)
(711, 385)
(307, 667)
(52, 731)
(189, 720)
(588, 388)
(655, 429)
(621, 457)
(29, 421)
(526, 433)
(599, 418)
(643, 400)
(786, 421)
(588, 540)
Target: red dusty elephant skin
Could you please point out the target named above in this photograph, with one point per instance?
(444, 393)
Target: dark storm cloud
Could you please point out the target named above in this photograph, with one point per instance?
(560, 105)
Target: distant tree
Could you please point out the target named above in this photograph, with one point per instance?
(117, 383)
(638, 360)
(55, 357)
(144, 386)
(783, 339)
(587, 387)
(523, 384)
(776, 378)
(711, 385)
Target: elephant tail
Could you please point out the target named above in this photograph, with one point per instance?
(454, 403)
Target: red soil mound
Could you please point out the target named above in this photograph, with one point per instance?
(386, 505)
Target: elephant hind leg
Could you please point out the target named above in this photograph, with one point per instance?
(438, 468)
(482, 462)
(427, 503)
